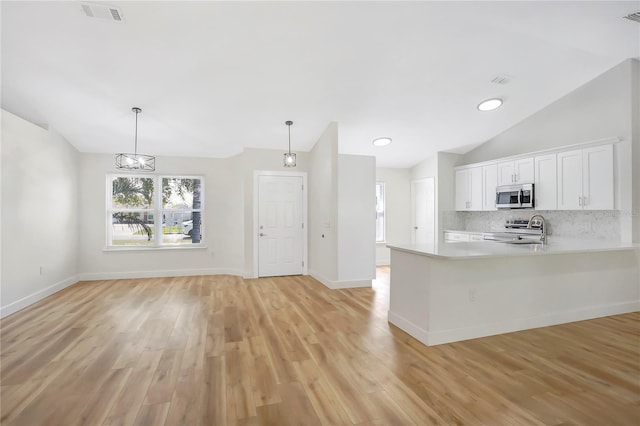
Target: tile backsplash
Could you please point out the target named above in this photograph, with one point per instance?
(596, 224)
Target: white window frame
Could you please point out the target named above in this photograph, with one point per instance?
(158, 211)
(384, 212)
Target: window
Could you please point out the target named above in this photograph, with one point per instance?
(142, 207)
(380, 207)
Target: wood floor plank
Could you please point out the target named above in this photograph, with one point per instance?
(222, 350)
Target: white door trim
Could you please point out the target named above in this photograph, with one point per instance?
(256, 199)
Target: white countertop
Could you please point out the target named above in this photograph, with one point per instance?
(476, 249)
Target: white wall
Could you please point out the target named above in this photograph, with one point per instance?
(341, 214)
(39, 213)
(228, 213)
(397, 210)
(441, 168)
(356, 220)
(600, 109)
(323, 207)
(223, 223)
(262, 160)
(635, 178)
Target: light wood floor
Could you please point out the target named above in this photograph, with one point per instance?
(220, 350)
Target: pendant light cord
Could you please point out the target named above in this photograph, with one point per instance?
(135, 147)
(289, 138)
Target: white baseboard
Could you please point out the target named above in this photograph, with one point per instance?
(37, 296)
(431, 338)
(94, 276)
(412, 329)
(336, 285)
(327, 283)
(351, 284)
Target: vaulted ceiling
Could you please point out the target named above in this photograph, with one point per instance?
(215, 77)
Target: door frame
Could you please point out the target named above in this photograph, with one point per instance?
(256, 207)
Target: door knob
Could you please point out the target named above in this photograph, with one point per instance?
(415, 227)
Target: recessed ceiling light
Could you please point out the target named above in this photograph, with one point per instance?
(382, 141)
(490, 104)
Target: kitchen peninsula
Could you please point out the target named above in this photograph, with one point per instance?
(448, 292)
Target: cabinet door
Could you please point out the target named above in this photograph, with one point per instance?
(597, 178)
(570, 180)
(506, 173)
(546, 182)
(489, 183)
(462, 189)
(523, 170)
(475, 188)
(451, 237)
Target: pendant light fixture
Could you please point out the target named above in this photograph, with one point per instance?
(289, 158)
(135, 161)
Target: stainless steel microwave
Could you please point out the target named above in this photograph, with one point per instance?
(515, 196)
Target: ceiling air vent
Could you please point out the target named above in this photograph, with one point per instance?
(501, 79)
(102, 12)
(634, 16)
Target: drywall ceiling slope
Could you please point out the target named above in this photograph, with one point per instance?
(215, 77)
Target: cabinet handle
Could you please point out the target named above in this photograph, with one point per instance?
(580, 201)
(585, 201)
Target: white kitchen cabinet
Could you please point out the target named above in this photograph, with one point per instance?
(585, 179)
(489, 183)
(463, 236)
(468, 196)
(545, 182)
(454, 237)
(515, 171)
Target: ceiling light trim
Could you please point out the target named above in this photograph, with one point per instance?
(382, 141)
(490, 104)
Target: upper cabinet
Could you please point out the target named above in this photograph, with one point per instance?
(546, 182)
(578, 179)
(468, 195)
(489, 183)
(585, 179)
(515, 171)
(476, 188)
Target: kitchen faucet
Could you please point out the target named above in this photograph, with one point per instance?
(543, 227)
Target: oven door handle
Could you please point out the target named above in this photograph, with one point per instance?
(520, 197)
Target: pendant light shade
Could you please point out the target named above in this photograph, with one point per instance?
(289, 157)
(135, 161)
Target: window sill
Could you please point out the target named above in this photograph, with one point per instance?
(381, 242)
(164, 248)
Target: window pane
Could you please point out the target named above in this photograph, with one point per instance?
(380, 207)
(132, 228)
(132, 193)
(178, 227)
(181, 193)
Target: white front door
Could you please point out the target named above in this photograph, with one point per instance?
(280, 226)
(423, 211)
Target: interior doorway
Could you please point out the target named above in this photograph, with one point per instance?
(280, 228)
